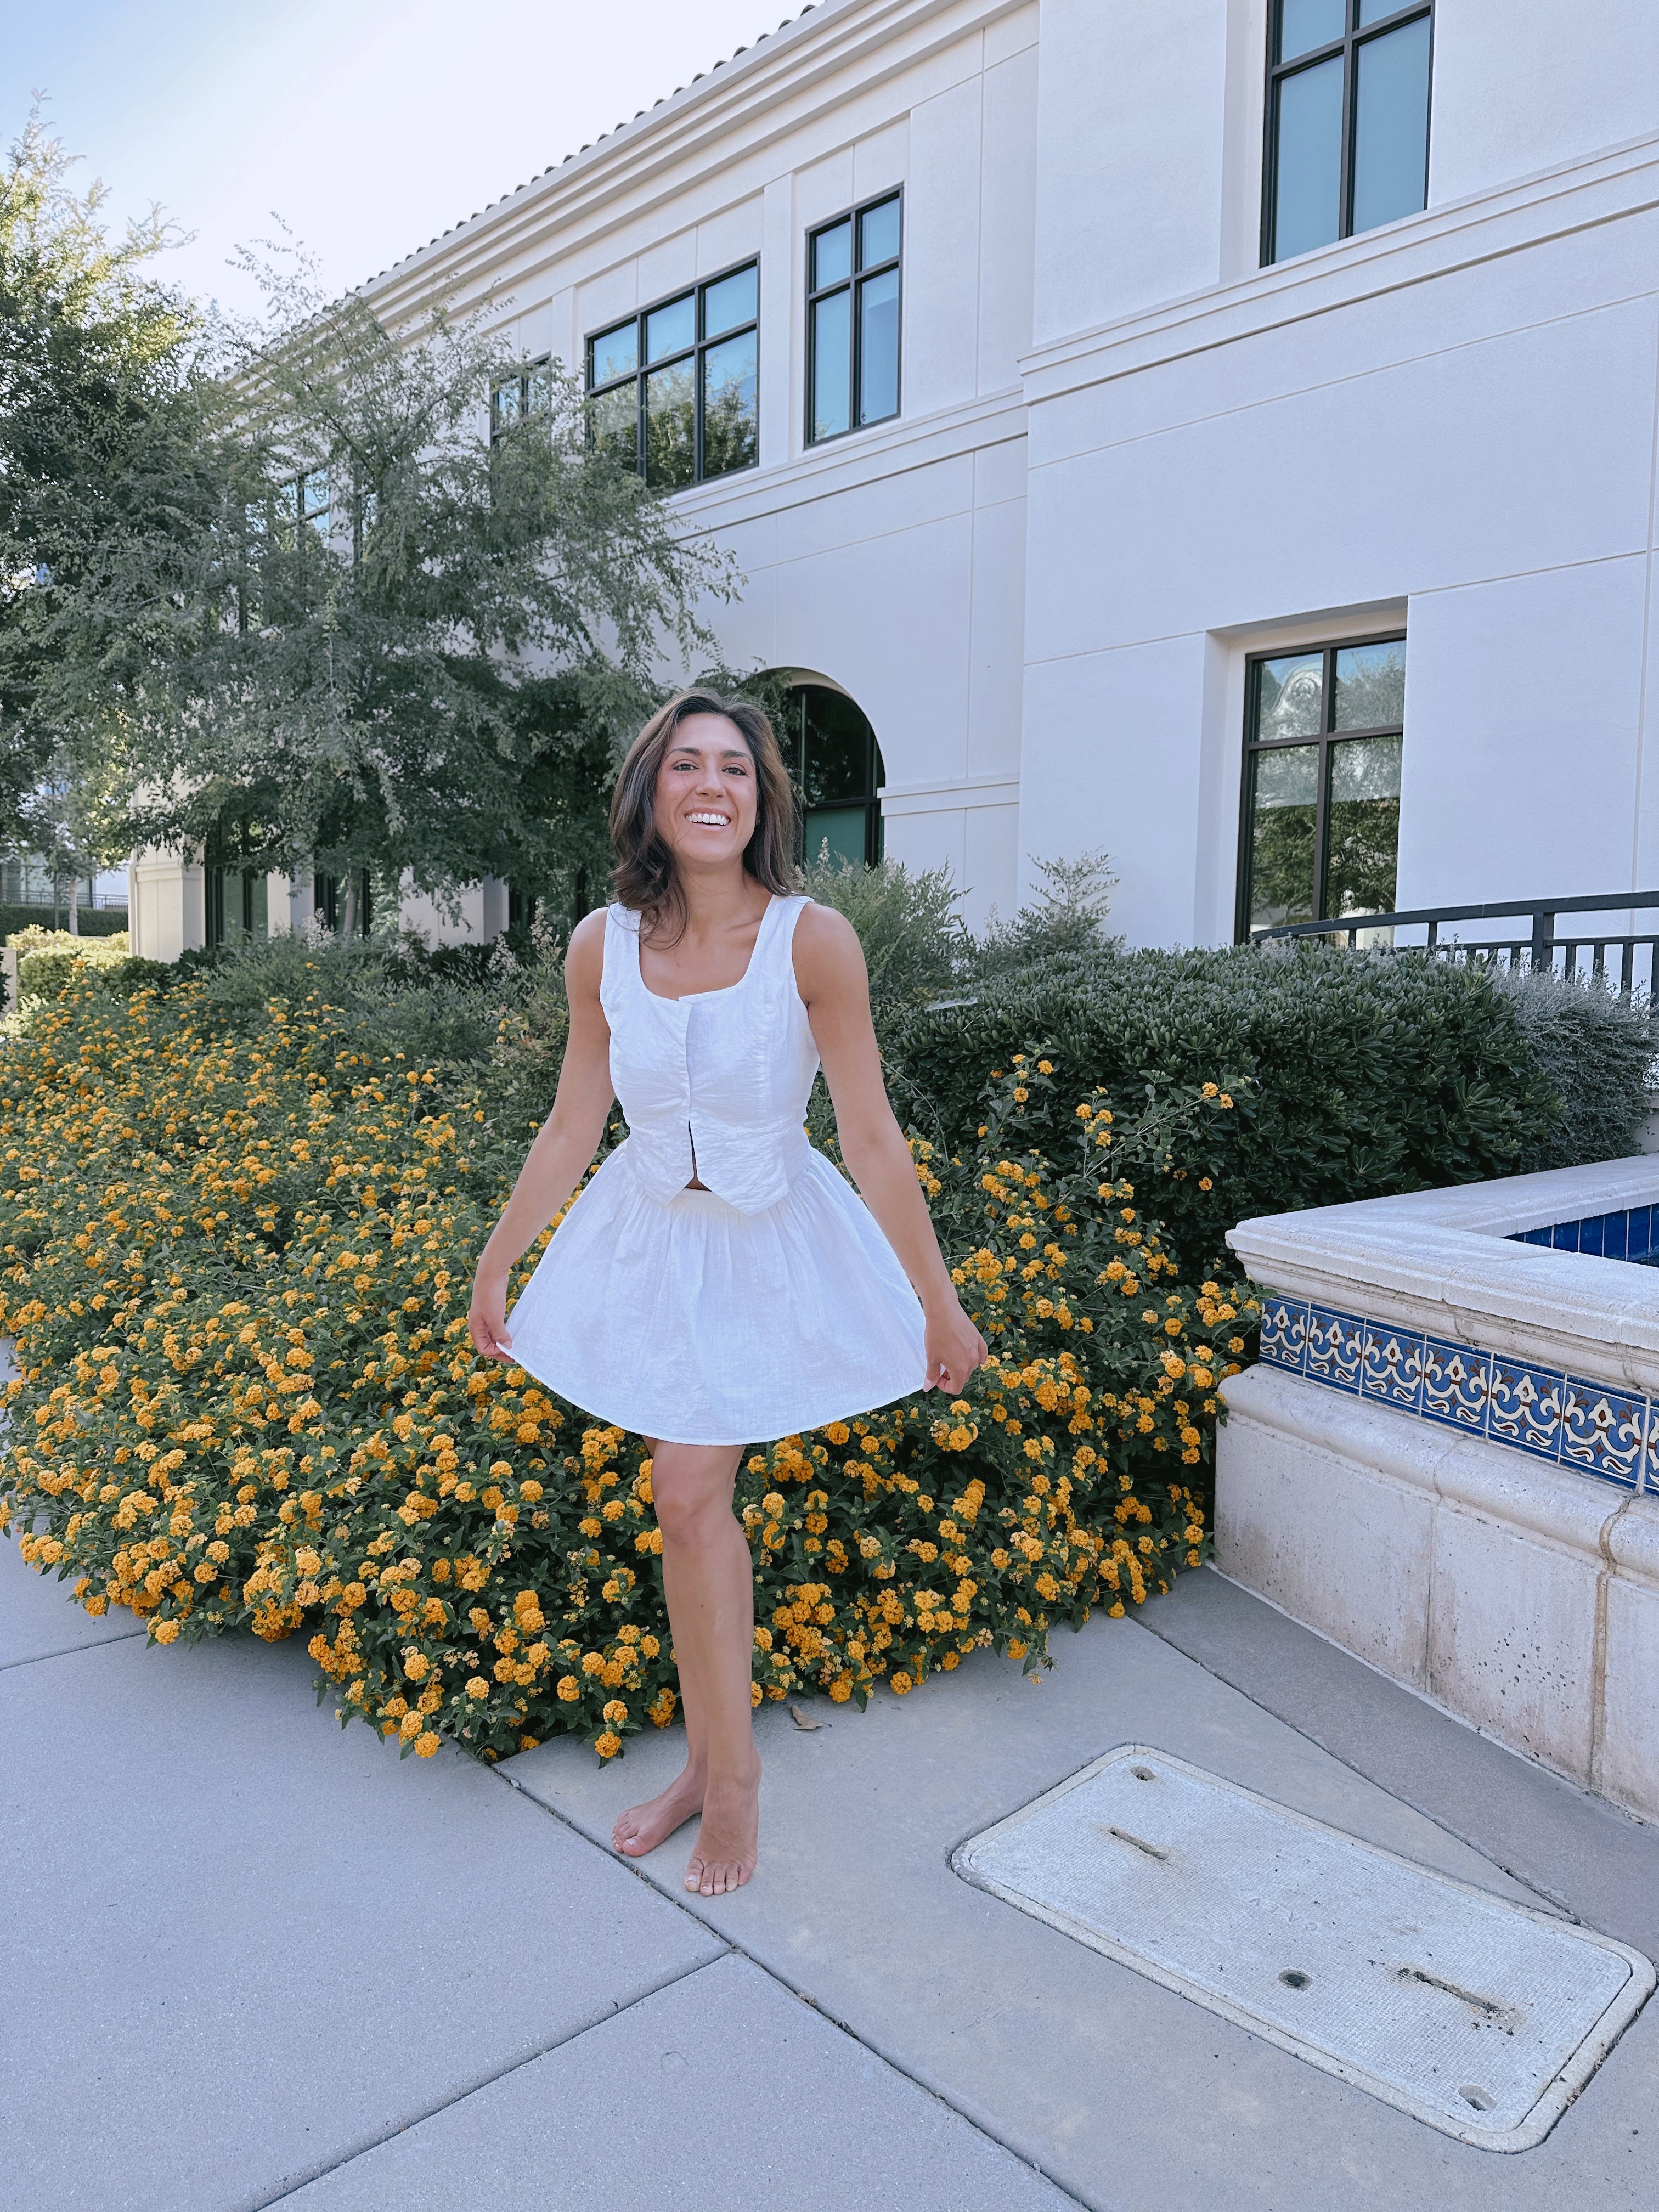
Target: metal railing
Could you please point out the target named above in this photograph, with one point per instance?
(1542, 945)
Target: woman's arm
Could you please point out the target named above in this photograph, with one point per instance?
(564, 1146)
(829, 972)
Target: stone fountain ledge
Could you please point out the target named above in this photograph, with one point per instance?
(1491, 1539)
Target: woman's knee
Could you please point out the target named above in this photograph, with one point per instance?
(691, 1489)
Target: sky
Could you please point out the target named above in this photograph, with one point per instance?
(367, 126)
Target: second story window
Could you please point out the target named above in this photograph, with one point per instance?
(1348, 119)
(302, 499)
(673, 391)
(853, 319)
(515, 398)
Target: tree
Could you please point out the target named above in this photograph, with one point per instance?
(101, 374)
(412, 628)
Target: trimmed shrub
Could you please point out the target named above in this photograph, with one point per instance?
(1595, 1052)
(235, 1257)
(95, 922)
(1370, 1073)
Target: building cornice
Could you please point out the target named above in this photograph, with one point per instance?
(737, 108)
(1487, 226)
(875, 456)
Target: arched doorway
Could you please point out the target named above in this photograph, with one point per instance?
(830, 749)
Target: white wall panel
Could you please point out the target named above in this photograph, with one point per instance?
(878, 509)
(1529, 451)
(990, 863)
(730, 236)
(888, 620)
(1132, 121)
(1007, 218)
(881, 160)
(667, 267)
(780, 345)
(1523, 700)
(1520, 85)
(823, 188)
(999, 621)
(1111, 759)
(941, 253)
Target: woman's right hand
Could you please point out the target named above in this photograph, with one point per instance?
(486, 1318)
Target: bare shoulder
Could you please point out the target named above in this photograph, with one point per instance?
(584, 961)
(828, 955)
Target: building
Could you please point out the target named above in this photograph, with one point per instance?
(1222, 433)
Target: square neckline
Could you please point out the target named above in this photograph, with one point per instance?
(687, 997)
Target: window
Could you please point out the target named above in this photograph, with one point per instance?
(302, 500)
(237, 908)
(853, 320)
(1322, 783)
(331, 896)
(673, 391)
(830, 750)
(515, 398)
(1348, 119)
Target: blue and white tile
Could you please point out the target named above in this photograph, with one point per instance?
(1603, 1430)
(1284, 1333)
(1336, 1348)
(1392, 1366)
(1525, 1406)
(1456, 1381)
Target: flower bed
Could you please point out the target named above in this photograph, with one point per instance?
(236, 1265)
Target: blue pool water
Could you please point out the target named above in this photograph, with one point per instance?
(1632, 1233)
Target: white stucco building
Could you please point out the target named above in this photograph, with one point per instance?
(1151, 449)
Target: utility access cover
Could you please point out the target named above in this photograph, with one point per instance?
(1481, 2017)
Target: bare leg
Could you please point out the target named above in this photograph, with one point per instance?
(709, 1582)
(643, 1826)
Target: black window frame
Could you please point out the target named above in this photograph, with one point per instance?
(700, 345)
(525, 379)
(1326, 738)
(853, 284)
(1355, 35)
(328, 896)
(793, 739)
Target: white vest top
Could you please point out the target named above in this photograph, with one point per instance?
(713, 1086)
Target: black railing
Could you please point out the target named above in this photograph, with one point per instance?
(1543, 944)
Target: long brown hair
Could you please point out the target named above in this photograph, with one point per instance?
(645, 877)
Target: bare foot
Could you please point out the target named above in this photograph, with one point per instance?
(728, 1842)
(642, 1828)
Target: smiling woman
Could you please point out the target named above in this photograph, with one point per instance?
(717, 1282)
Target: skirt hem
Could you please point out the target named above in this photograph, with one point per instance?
(766, 1434)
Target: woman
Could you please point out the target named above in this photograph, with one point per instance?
(718, 1283)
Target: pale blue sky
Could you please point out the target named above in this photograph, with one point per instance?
(370, 125)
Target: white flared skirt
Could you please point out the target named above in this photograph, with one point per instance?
(691, 1322)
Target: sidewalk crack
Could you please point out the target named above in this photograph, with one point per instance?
(735, 1949)
(485, 2081)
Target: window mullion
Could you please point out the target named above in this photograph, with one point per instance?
(1350, 94)
(1322, 804)
(855, 368)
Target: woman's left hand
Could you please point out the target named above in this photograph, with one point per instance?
(954, 1348)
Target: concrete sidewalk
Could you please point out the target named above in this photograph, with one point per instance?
(250, 1957)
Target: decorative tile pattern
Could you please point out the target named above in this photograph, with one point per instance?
(1524, 1408)
(1592, 1428)
(1456, 1381)
(1284, 1333)
(1392, 1366)
(1603, 1431)
(1336, 1348)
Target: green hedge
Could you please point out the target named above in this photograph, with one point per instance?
(94, 921)
(1369, 1072)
